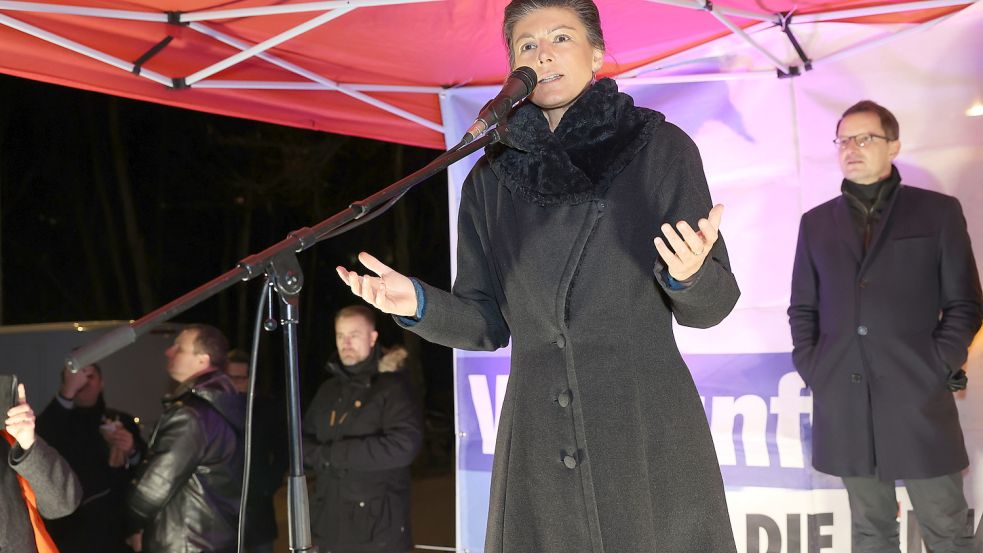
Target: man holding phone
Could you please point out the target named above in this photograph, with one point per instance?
(103, 447)
(35, 481)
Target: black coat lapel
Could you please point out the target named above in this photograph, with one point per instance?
(846, 228)
(881, 230)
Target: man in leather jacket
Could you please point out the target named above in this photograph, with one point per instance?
(186, 495)
(361, 433)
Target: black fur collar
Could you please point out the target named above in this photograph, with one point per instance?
(596, 139)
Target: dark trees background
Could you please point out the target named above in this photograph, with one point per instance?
(110, 208)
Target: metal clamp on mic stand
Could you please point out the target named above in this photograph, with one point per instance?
(279, 264)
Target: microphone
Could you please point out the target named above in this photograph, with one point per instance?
(520, 84)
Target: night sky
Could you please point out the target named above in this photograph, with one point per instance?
(110, 208)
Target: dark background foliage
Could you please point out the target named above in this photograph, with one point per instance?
(110, 208)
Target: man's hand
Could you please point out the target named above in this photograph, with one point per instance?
(20, 420)
(71, 382)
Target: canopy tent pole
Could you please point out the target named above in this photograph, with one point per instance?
(877, 41)
(60, 9)
(266, 45)
(158, 17)
(879, 10)
(699, 77)
(218, 35)
(291, 8)
(81, 49)
(726, 10)
(680, 58)
(296, 85)
(719, 12)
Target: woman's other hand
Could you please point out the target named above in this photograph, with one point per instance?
(389, 291)
(689, 247)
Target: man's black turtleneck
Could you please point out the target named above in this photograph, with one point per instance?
(868, 201)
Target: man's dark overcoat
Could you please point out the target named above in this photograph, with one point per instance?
(603, 445)
(876, 335)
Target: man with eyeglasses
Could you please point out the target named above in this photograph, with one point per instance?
(885, 302)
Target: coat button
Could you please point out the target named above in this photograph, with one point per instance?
(569, 461)
(862, 330)
(561, 342)
(361, 504)
(863, 283)
(564, 398)
(856, 378)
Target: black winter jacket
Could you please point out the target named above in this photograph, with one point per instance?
(361, 433)
(186, 496)
(99, 522)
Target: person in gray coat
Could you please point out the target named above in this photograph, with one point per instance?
(603, 443)
(57, 491)
(885, 302)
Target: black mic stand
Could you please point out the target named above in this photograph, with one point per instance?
(279, 263)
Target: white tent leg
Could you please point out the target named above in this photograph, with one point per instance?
(327, 83)
(81, 49)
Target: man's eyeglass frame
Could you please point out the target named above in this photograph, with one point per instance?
(861, 140)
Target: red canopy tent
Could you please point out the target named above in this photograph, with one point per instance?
(371, 68)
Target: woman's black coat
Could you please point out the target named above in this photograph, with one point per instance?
(603, 443)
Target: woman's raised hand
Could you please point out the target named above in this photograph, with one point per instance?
(689, 247)
(390, 291)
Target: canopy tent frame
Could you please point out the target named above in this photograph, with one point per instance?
(333, 9)
(783, 21)
(336, 8)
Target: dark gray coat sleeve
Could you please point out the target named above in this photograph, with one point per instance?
(470, 317)
(959, 293)
(712, 292)
(55, 485)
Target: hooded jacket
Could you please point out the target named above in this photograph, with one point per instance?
(186, 495)
(361, 433)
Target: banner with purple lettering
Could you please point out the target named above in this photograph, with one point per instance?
(759, 413)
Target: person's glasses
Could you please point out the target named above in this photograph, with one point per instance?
(861, 140)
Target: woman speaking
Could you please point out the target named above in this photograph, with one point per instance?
(580, 237)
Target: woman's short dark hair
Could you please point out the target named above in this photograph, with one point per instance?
(585, 9)
(888, 122)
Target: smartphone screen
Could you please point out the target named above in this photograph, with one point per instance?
(8, 395)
